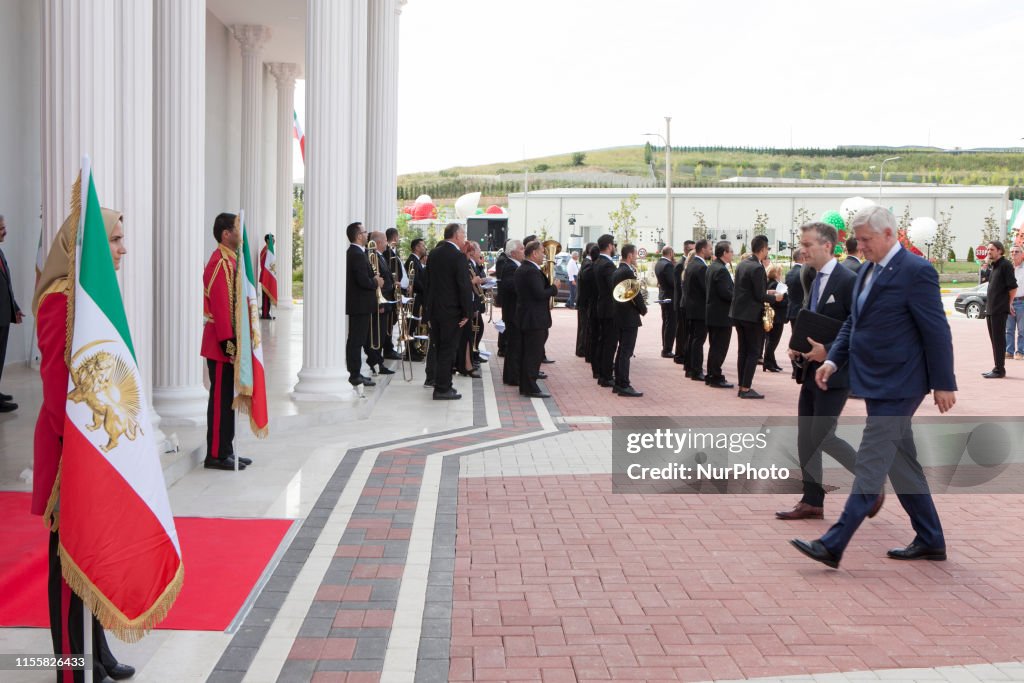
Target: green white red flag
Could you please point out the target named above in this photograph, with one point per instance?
(268, 273)
(250, 378)
(118, 545)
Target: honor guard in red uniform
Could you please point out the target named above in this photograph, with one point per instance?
(219, 343)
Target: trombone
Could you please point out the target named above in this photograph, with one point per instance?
(551, 248)
(371, 250)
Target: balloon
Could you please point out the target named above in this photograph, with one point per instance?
(407, 210)
(852, 205)
(424, 199)
(479, 212)
(922, 230)
(423, 211)
(466, 205)
(835, 219)
(495, 210)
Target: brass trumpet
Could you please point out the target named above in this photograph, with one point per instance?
(768, 317)
(371, 251)
(551, 249)
(627, 290)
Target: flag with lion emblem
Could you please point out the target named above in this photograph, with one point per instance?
(118, 545)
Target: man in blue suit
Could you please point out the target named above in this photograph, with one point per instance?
(899, 347)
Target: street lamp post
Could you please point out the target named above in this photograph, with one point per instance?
(667, 139)
(881, 174)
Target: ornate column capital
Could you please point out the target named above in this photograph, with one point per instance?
(399, 4)
(284, 71)
(252, 37)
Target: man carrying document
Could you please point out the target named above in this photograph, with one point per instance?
(826, 305)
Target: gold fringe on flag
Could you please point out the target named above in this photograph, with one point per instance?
(113, 619)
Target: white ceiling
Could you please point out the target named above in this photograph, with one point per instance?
(286, 19)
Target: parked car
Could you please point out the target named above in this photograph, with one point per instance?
(971, 302)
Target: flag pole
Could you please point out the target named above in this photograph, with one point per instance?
(238, 262)
(87, 641)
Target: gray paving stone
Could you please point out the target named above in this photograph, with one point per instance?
(279, 583)
(297, 671)
(360, 633)
(236, 658)
(250, 636)
(431, 670)
(437, 628)
(272, 598)
(438, 610)
(350, 665)
(220, 676)
(371, 648)
(385, 591)
(380, 604)
(440, 578)
(288, 569)
(315, 627)
(322, 609)
(260, 616)
(434, 648)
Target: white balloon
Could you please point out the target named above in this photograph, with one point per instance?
(852, 205)
(922, 230)
(424, 199)
(466, 205)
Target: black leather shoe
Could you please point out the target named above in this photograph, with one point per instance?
(355, 382)
(994, 374)
(6, 397)
(667, 354)
(604, 383)
(699, 377)
(383, 370)
(547, 361)
(121, 671)
(428, 383)
(450, 395)
(542, 375)
(7, 407)
(816, 551)
(474, 374)
(750, 393)
(392, 355)
(918, 552)
(538, 394)
(678, 361)
(243, 461)
(629, 392)
(771, 368)
(227, 463)
(720, 383)
(368, 382)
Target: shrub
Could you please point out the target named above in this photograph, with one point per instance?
(578, 158)
(970, 254)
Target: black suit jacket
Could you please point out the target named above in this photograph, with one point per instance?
(749, 294)
(796, 291)
(696, 285)
(418, 273)
(604, 270)
(360, 288)
(449, 295)
(383, 267)
(679, 286)
(627, 313)
(835, 301)
(663, 270)
(852, 262)
(507, 291)
(586, 285)
(532, 297)
(8, 306)
(719, 288)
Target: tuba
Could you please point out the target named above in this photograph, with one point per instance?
(551, 248)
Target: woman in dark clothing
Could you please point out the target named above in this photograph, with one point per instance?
(771, 341)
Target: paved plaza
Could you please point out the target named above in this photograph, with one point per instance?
(480, 540)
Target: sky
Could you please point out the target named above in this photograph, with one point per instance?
(494, 81)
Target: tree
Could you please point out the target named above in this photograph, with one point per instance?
(700, 226)
(801, 216)
(970, 254)
(992, 230)
(648, 153)
(623, 220)
(578, 158)
(760, 222)
(942, 243)
(902, 224)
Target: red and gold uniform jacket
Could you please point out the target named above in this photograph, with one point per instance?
(52, 329)
(218, 304)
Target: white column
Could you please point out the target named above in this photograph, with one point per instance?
(98, 100)
(285, 75)
(382, 119)
(178, 215)
(252, 38)
(335, 197)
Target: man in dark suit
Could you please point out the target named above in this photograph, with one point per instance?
(385, 350)
(894, 379)
(604, 270)
(10, 314)
(830, 293)
(749, 296)
(852, 260)
(360, 302)
(795, 289)
(533, 314)
(627, 322)
(499, 268)
(1002, 288)
(584, 303)
(399, 282)
(695, 285)
(449, 308)
(509, 311)
(679, 304)
(417, 288)
(719, 325)
(663, 270)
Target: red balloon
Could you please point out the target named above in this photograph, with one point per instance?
(407, 210)
(423, 211)
(495, 209)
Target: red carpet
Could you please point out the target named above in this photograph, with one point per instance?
(224, 558)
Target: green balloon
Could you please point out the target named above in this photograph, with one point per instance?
(835, 219)
(838, 250)
(479, 211)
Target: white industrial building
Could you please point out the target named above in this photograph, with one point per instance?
(732, 211)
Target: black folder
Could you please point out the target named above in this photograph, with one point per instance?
(820, 328)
